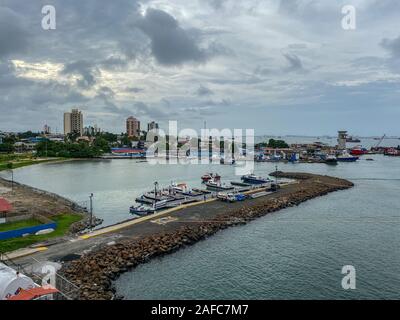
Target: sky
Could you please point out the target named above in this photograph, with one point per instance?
(276, 66)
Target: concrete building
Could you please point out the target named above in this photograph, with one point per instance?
(342, 137)
(133, 127)
(91, 131)
(73, 122)
(152, 126)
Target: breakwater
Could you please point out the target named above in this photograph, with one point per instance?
(94, 273)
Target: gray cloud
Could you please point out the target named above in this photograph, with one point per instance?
(170, 43)
(87, 70)
(204, 91)
(14, 37)
(392, 45)
(294, 63)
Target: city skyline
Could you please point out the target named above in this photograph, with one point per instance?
(213, 61)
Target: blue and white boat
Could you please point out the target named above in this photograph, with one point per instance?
(346, 157)
(252, 178)
(141, 210)
(146, 210)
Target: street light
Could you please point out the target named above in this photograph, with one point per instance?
(155, 194)
(10, 168)
(91, 210)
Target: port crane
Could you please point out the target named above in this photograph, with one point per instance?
(380, 141)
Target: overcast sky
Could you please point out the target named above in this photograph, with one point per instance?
(278, 66)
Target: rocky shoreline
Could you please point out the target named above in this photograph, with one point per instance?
(95, 272)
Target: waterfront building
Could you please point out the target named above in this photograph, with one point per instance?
(73, 122)
(133, 127)
(342, 137)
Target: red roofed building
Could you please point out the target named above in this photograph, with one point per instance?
(5, 206)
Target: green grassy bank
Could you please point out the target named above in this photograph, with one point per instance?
(64, 221)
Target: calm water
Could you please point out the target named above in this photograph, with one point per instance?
(294, 253)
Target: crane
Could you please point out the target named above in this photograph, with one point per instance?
(380, 141)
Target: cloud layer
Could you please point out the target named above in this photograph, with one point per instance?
(280, 67)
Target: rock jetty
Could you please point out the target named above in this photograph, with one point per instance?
(95, 272)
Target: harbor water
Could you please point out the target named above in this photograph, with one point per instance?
(296, 253)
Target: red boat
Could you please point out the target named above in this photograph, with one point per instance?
(358, 151)
(210, 176)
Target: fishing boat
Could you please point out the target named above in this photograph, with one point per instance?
(141, 210)
(210, 176)
(346, 157)
(331, 160)
(217, 186)
(146, 210)
(240, 184)
(157, 197)
(392, 152)
(253, 179)
(201, 191)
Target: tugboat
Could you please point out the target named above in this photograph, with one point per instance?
(252, 178)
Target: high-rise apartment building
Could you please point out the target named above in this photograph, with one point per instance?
(73, 122)
(133, 127)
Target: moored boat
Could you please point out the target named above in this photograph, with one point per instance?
(141, 210)
(331, 160)
(253, 179)
(217, 186)
(210, 176)
(358, 151)
(345, 157)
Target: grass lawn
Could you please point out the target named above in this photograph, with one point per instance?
(19, 225)
(19, 161)
(63, 221)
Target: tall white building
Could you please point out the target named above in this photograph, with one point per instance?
(73, 122)
(342, 136)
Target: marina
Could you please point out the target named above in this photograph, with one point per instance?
(176, 195)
